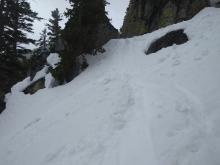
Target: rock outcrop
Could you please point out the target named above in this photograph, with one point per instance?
(36, 63)
(177, 37)
(34, 87)
(103, 33)
(148, 15)
(215, 3)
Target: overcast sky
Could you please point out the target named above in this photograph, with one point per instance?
(116, 11)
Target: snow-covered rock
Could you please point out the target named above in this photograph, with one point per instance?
(21, 86)
(127, 108)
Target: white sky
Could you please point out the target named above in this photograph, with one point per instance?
(116, 11)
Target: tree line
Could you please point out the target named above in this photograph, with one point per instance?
(86, 30)
(17, 20)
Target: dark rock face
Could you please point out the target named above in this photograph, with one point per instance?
(177, 37)
(217, 4)
(145, 16)
(36, 63)
(2, 102)
(104, 33)
(12, 70)
(34, 87)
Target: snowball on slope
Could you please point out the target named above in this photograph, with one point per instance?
(53, 59)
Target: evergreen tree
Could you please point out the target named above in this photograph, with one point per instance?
(84, 17)
(5, 30)
(17, 21)
(54, 29)
(42, 43)
(82, 34)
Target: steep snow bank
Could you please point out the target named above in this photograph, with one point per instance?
(127, 108)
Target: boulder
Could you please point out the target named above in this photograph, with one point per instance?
(177, 37)
(35, 86)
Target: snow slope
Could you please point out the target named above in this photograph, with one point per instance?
(127, 108)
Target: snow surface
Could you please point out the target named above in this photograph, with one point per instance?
(126, 108)
(49, 81)
(53, 59)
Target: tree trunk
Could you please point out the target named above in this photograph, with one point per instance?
(2, 4)
(15, 28)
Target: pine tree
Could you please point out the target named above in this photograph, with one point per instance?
(5, 30)
(54, 29)
(23, 22)
(18, 20)
(84, 32)
(84, 17)
(42, 43)
(2, 17)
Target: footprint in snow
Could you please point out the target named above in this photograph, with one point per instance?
(106, 89)
(80, 147)
(159, 116)
(120, 116)
(198, 58)
(161, 60)
(182, 108)
(106, 81)
(205, 53)
(176, 63)
(176, 57)
(32, 123)
(53, 156)
(119, 120)
(171, 134)
(193, 148)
